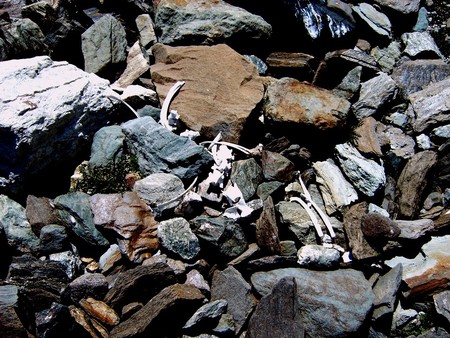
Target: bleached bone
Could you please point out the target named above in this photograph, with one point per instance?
(310, 214)
(126, 104)
(235, 198)
(165, 107)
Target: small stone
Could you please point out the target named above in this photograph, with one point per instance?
(423, 142)
(100, 310)
(176, 236)
(71, 262)
(414, 229)
(144, 24)
(92, 285)
(376, 226)
(267, 230)
(318, 257)
(206, 316)
(417, 43)
(196, 279)
(277, 167)
(54, 238)
(288, 248)
(385, 291)
(138, 64)
(109, 259)
(376, 20)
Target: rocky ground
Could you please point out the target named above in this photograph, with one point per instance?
(224, 169)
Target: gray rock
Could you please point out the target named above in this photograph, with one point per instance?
(271, 188)
(349, 85)
(159, 150)
(414, 229)
(324, 296)
(41, 13)
(442, 302)
(196, 22)
(422, 21)
(278, 313)
(266, 229)
(442, 132)
(387, 57)
(36, 125)
(231, 286)
(10, 324)
(206, 316)
(138, 96)
(87, 285)
(401, 145)
(107, 147)
(293, 216)
(288, 248)
(385, 291)
(376, 20)
(15, 226)
(318, 257)
(109, 259)
(196, 279)
(70, 261)
(402, 6)
(336, 191)
(247, 175)
(435, 332)
(418, 43)
(366, 175)
(374, 93)
(145, 26)
(277, 167)
(222, 236)
(103, 44)
(225, 327)
(260, 64)
(176, 236)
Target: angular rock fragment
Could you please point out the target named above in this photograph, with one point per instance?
(138, 64)
(442, 302)
(176, 236)
(145, 26)
(87, 285)
(10, 324)
(277, 167)
(267, 230)
(376, 20)
(247, 175)
(385, 291)
(206, 316)
(402, 6)
(100, 311)
(414, 229)
(417, 43)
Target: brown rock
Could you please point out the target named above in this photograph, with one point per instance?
(221, 87)
(282, 64)
(267, 230)
(100, 310)
(368, 140)
(376, 226)
(412, 182)
(277, 167)
(39, 212)
(164, 315)
(291, 101)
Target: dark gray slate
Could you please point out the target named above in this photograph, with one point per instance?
(176, 236)
(106, 146)
(87, 285)
(206, 316)
(385, 291)
(159, 150)
(247, 174)
(53, 239)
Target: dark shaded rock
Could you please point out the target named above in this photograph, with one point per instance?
(53, 239)
(271, 188)
(10, 324)
(267, 230)
(385, 291)
(378, 227)
(441, 302)
(140, 283)
(231, 286)
(206, 316)
(159, 150)
(271, 262)
(158, 318)
(387, 57)
(176, 236)
(278, 313)
(87, 285)
(349, 85)
(296, 65)
(247, 175)
(107, 147)
(277, 167)
(41, 13)
(54, 322)
(40, 212)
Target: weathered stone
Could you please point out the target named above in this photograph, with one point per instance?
(378, 227)
(277, 167)
(418, 43)
(295, 218)
(138, 64)
(271, 262)
(401, 145)
(385, 291)
(87, 285)
(156, 317)
(198, 22)
(107, 147)
(100, 311)
(159, 150)
(374, 94)
(139, 96)
(109, 259)
(349, 85)
(206, 316)
(54, 321)
(376, 20)
(402, 6)
(10, 324)
(298, 65)
(196, 279)
(278, 313)
(176, 236)
(271, 188)
(40, 212)
(34, 123)
(414, 229)
(231, 286)
(323, 296)
(216, 97)
(104, 44)
(442, 302)
(368, 141)
(83, 323)
(42, 13)
(387, 57)
(431, 105)
(412, 182)
(140, 283)
(145, 26)
(69, 260)
(247, 175)
(428, 272)
(318, 257)
(442, 132)
(291, 101)
(267, 230)
(336, 191)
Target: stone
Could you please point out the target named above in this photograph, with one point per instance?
(401, 144)
(435, 332)
(290, 101)
(104, 45)
(336, 191)
(34, 89)
(366, 175)
(40, 212)
(374, 94)
(368, 141)
(41, 13)
(415, 75)
(159, 150)
(87, 285)
(198, 23)
(272, 188)
(232, 287)
(266, 229)
(419, 43)
(298, 65)
(195, 278)
(318, 257)
(109, 259)
(10, 324)
(145, 26)
(441, 302)
(349, 85)
(83, 323)
(442, 132)
(247, 174)
(107, 147)
(277, 167)
(139, 284)
(385, 290)
(270, 262)
(278, 313)
(206, 316)
(414, 229)
(261, 66)
(402, 6)
(53, 239)
(15, 227)
(378, 227)
(387, 57)
(427, 273)
(100, 311)
(413, 181)
(54, 321)
(422, 20)
(376, 20)
(176, 237)
(431, 105)
(322, 297)
(294, 217)
(223, 237)
(156, 318)
(70, 261)
(216, 97)
(139, 96)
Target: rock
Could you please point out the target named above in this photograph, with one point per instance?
(376, 20)
(10, 324)
(322, 297)
(368, 141)
(375, 227)
(270, 262)
(140, 283)
(107, 147)
(83, 323)
(431, 105)
(41, 13)
(176, 236)
(194, 278)
(427, 273)
(419, 43)
(87, 285)
(247, 175)
(435, 332)
(442, 132)
(414, 75)
(156, 317)
(278, 313)
(222, 236)
(109, 259)
(277, 167)
(206, 316)
(35, 103)
(139, 96)
(318, 257)
(14, 224)
(441, 302)
(336, 191)
(387, 57)
(100, 311)
(54, 321)
(267, 230)
(211, 22)
(401, 145)
(104, 45)
(159, 150)
(295, 218)
(414, 229)
(290, 101)
(349, 85)
(412, 182)
(298, 65)
(69, 260)
(145, 26)
(272, 188)
(53, 239)
(385, 291)
(232, 287)
(366, 175)
(374, 94)
(402, 6)
(422, 20)
(217, 97)
(40, 212)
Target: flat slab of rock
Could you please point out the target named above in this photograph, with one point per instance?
(217, 96)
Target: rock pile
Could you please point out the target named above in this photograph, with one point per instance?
(185, 169)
